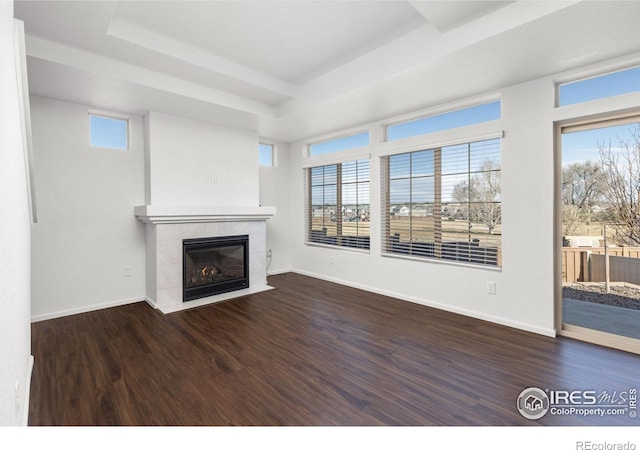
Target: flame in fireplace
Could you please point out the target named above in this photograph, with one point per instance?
(205, 275)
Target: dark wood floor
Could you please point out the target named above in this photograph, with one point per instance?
(306, 353)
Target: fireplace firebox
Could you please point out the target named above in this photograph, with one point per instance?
(214, 265)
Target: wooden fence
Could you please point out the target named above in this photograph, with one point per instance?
(576, 260)
(620, 269)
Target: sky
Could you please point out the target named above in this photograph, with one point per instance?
(431, 124)
(459, 118)
(265, 154)
(108, 132)
(608, 85)
(459, 163)
(336, 145)
(583, 146)
(355, 183)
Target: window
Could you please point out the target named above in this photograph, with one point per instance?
(338, 204)
(336, 145)
(444, 203)
(109, 132)
(265, 155)
(446, 121)
(616, 83)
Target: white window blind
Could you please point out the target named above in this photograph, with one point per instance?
(337, 204)
(444, 203)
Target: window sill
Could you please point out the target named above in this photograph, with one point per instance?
(442, 262)
(338, 247)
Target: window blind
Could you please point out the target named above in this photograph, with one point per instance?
(444, 203)
(337, 209)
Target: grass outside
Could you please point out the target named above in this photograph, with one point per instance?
(423, 230)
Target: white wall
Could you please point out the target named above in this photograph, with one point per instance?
(195, 163)
(524, 297)
(15, 333)
(274, 191)
(527, 282)
(87, 233)
(526, 286)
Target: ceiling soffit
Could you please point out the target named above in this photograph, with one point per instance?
(271, 60)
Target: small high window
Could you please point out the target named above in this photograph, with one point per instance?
(336, 145)
(108, 132)
(609, 85)
(454, 119)
(265, 155)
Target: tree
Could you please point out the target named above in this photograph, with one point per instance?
(480, 195)
(621, 168)
(583, 188)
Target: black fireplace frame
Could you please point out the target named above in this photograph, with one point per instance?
(209, 290)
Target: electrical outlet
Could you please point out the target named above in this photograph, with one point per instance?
(332, 260)
(127, 271)
(491, 287)
(269, 254)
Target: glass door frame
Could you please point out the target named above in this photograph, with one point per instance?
(562, 329)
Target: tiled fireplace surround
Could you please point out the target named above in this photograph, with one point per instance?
(166, 227)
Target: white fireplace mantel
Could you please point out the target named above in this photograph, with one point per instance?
(159, 214)
(167, 226)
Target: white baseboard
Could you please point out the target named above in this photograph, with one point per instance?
(27, 392)
(280, 271)
(151, 302)
(83, 309)
(550, 332)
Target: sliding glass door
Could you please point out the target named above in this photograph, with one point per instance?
(600, 215)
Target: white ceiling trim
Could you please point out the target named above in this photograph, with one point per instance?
(507, 18)
(420, 48)
(446, 16)
(125, 30)
(397, 56)
(90, 62)
(79, 52)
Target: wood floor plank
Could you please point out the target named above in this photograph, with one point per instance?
(308, 352)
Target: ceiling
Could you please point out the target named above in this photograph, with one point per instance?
(294, 69)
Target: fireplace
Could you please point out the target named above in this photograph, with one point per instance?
(214, 265)
(166, 227)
